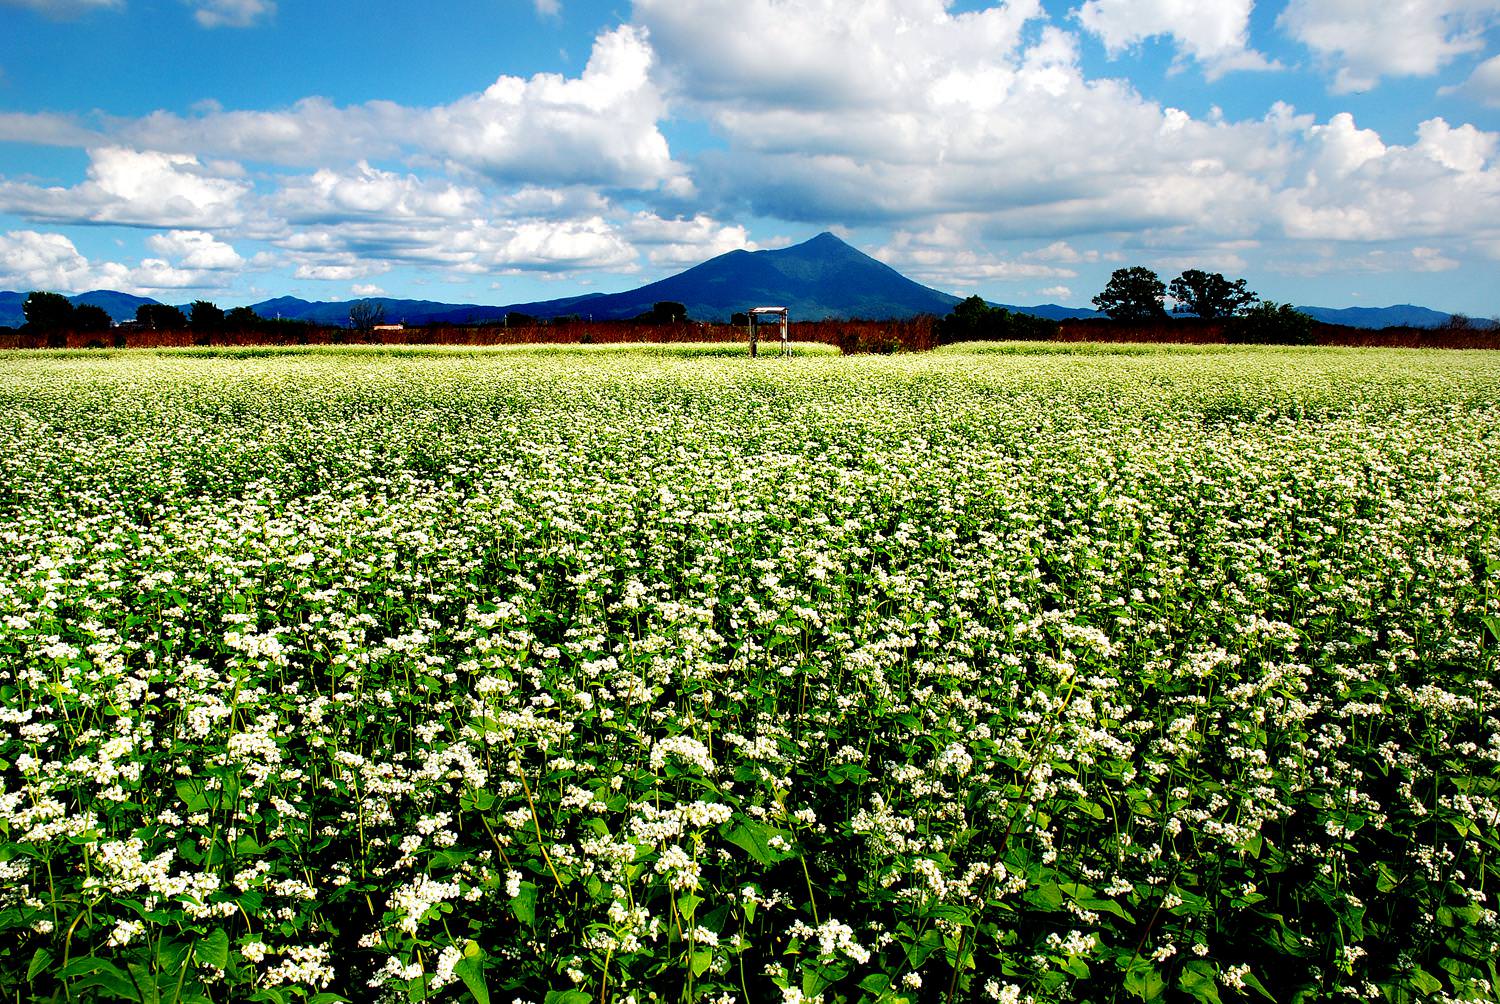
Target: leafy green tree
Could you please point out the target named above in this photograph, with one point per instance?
(1269, 323)
(1209, 294)
(160, 317)
(88, 317)
(975, 320)
(47, 311)
(241, 318)
(205, 316)
(1133, 294)
(664, 312)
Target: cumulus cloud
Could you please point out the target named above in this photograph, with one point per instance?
(1214, 34)
(599, 128)
(1483, 84)
(1358, 188)
(548, 8)
(33, 260)
(946, 255)
(136, 188)
(1370, 39)
(680, 242)
(365, 192)
(230, 13)
(194, 249)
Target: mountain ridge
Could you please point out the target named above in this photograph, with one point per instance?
(822, 277)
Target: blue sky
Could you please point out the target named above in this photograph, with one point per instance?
(1332, 152)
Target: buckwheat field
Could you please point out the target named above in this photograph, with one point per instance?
(569, 676)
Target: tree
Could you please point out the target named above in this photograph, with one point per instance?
(241, 318)
(1133, 294)
(365, 314)
(88, 317)
(1210, 295)
(47, 311)
(516, 319)
(204, 316)
(664, 312)
(975, 320)
(160, 317)
(1269, 323)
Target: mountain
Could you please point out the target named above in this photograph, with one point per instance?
(1051, 311)
(822, 277)
(1400, 315)
(119, 306)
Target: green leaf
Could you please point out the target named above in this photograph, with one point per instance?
(213, 949)
(755, 838)
(1197, 981)
(41, 960)
(1143, 982)
(687, 905)
(876, 983)
(470, 969)
(328, 998)
(1385, 879)
(567, 997)
(1493, 623)
(1424, 981)
(702, 959)
(524, 904)
(1255, 984)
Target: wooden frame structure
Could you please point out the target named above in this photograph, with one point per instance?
(768, 315)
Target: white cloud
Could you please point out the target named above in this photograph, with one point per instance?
(548, 8)
(680, 243)
(1483, 84)
(1370, 39)
(194, 249)
(33, 260)
(136, 188)
(1215, 34)
(366, 289)
(599, 128)
(946, 256)
(230, 13)
(369, 193)
(45, 129)
(1357, 188)
(62, 9)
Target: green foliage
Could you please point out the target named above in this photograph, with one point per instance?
(160, 317)
(664, 312)
(1070, 674)
(89, 317)
(974, 320)
(204, 316)
(1210, 295)
(1269, 323)
(241, 318)
(1133, 294)
(46, 312)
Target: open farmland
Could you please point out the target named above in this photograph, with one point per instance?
(1051, 673)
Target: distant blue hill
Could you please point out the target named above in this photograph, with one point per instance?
(817, 279)
(1402, 315)
(119, 306)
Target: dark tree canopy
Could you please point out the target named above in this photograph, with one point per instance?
(664, 312)
(88, 317)
(516, 319)
(47, 311)
(241, 317)
(975, 320)
(205, 316)
(1210, 294)
(1133, 294)
(1269, 323)
(160, 317)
